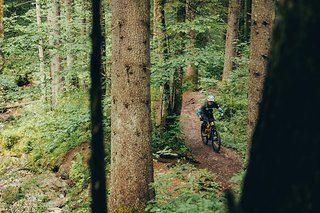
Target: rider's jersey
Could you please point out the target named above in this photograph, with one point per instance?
(206, 110)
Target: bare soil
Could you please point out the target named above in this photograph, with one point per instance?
(224, 164)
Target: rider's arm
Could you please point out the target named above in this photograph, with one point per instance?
(200, 112)
(220, 110)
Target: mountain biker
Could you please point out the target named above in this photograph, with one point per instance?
(205, 113)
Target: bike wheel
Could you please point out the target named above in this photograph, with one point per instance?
(216, 140)
(204, 137)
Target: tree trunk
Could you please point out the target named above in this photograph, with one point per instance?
(53, 34)
(191, 76)
(160, 37)
(175, 104)
(1, 35)
(85, 20)
(160, 29)
(245, 20)
(1, 20)
(41, 53)
(98, 178)
(283, 171)
(103, 47)
(70, 40)
(262, 22)
(231, 38)
(131, 158)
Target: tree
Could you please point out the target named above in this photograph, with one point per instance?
(98, 179)
(231, 37)
(175, 103)
(261, 30)
(159, 33)
(131, 158)
(1, 18)
(283, 171)
(69, 40)
(1, 34)
(54, 42)
(245, 20)
(192, 75)
(41, 52)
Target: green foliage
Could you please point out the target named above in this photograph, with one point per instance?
(80, 176)
(9, 138)
(234, 99)
(79, 172)
(238, 179)
(46, 135)
(168, 140)
(186, 189)
(208, 53)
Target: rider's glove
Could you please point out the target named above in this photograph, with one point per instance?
(201, 119)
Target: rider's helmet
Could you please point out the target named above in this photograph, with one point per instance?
(210, 98)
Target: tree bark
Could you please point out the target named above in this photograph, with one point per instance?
(231, 38)
(41, 53)
(1, 35)
(261, 31)
(68, 15)
(247, 19)
(97, 166)
(175, 103)
(159, 33)
(1, 20)
(131, 158)
(54, 42)
(160, 29)
(191, 76)
(283, 171)
(103, 47)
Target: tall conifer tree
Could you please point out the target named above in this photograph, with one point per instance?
(131, 157)
(261, 31)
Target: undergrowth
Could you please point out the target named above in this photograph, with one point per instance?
(168, 141)
(46, 136)
(186, 189)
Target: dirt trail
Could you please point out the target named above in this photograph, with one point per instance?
(224, 164)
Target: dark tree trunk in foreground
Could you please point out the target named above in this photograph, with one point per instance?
(98, 179)
(261, 31)
(131, 156)
(284, 169)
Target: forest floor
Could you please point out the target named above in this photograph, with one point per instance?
(224, 164)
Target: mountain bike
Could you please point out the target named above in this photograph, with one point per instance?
(210, 134)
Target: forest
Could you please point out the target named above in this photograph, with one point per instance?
(99, 102)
